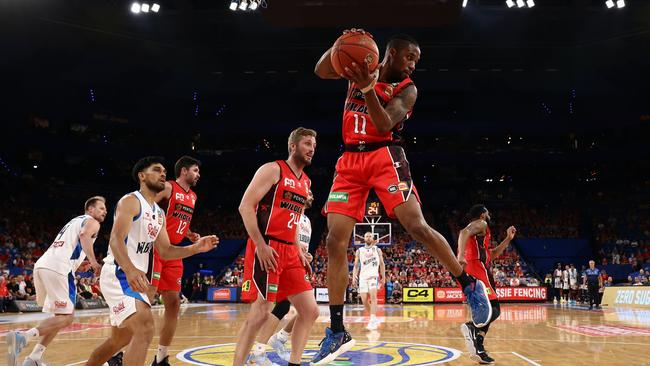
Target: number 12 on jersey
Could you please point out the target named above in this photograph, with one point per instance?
(356, 124)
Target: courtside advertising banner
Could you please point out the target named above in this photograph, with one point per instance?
(630, 296)
(503, 293)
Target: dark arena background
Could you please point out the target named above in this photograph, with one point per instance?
(540, 110)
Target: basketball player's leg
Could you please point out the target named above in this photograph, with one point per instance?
(258, 315)
(141, 326)
(307, 310)
(277, 314)
(365, 301)
(373, 301)
(338, 238)
(119, 338)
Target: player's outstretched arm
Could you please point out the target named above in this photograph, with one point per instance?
(165, 194)
(168, 251)
(87, 237)
(495, 252)
(265, 177)
(474, 228)
(127, 208)
(324, 68)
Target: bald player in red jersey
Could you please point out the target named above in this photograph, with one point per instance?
(476, 256)
(275, 267)
(167, 274)
(376, 107)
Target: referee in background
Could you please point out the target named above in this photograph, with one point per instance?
(594, 282)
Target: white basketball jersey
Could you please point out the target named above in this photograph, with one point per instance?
(144, 231)
(65, 253)
(304, 232)
(573, 274)
(368, 261)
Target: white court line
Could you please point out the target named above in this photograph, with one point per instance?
(76, 363)
(590, 341)
(526, 359)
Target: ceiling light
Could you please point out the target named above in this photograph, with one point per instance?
(620, 4)
(609, 3)
(510, 3)
(243, 5)
(233, 5)
(145, 8)
(135, 8)
(253, 5)
(464, 3)
(155, 7)
(530, 3)
(520, 3)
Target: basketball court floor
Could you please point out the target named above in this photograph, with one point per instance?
(526, 334)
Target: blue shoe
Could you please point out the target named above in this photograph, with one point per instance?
(15, 344)
(479, 303)
(279, 348)
(332, 346)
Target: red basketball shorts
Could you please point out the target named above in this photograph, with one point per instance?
(166, 275)
(385, 170)
(290, 277)
(478, 270)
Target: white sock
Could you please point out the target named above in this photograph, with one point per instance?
(283, 335)
(31, 334)
(37, 353)
(259, 349)
(162, 352)
(373, 318)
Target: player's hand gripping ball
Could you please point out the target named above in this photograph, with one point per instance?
(354, 46)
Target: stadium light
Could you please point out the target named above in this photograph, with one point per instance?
(144, 7)
(609, 3)
(530, 3)
(155, 7)
(135, 8)
(510, 3)
(243, 5)
(233, 5)
(620, 4)
(464, 3)
(254, 4)
(520, 3)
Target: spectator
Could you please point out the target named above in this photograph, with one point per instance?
(4, 294)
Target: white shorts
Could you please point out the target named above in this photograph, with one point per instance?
(565, 286)
(367, 284)
(118, 294)
(55, 292)
(574, 285)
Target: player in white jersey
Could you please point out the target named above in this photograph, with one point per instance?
(139, 225)
(573, 284)
(557, 283)
(54, 280)
(565, 284)
(278, 340)
(368, 273)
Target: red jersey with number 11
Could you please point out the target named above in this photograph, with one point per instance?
(278, 213)
(357, 123)
(179, 212)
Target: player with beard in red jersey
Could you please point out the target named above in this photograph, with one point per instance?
(376, 107)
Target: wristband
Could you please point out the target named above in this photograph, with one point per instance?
(370, 87)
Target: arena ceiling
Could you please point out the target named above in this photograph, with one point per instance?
(472, 57)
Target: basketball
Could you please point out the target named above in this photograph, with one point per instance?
(354, 47)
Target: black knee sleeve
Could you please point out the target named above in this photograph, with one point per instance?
(281, 309)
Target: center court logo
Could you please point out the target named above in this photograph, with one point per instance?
(363, 353)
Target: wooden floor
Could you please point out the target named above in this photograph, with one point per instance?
(526, 334)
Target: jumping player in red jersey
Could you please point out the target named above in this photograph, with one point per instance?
(376, 107)
(475, 257)
(275, 268)
(179, 201)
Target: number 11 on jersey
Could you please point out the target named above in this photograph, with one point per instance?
(356, 124)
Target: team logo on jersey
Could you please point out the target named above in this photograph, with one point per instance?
(363, 353)
(246, 286)
(388, 91)
(392, 188)
(403, 186)
(60, 304)
(273, 288)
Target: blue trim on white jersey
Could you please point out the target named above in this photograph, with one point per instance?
(76, 253)
(72, 290)
(124, 283)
